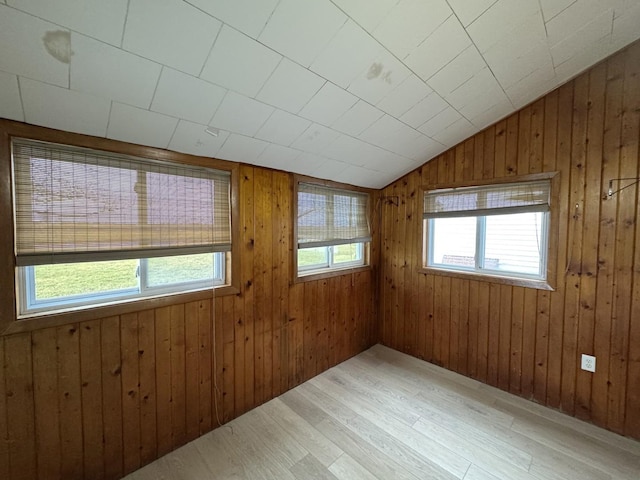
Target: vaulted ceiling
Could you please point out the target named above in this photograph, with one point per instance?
(357, 91)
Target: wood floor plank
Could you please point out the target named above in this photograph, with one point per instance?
(370, 394)
(619, 464)
(323, 449)
(310, 467)
(465, 402)
(220, 458)
(264, 451)
(476, 454)
(234, 452)
(270, 439)
(365, 453)
(185, 463)
(476, 473)
(581, 428)
(561, 470)
(346, 468)
(397, 438)
(296, 402)
(386, 415)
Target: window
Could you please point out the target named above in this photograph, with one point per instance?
(94, 227)
(332, 228)
(499, 230)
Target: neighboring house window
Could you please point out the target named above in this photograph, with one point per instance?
(333, 232)
(499, 230)
(96, 227)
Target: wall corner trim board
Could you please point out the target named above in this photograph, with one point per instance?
(101, 396)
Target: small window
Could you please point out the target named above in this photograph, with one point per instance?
(499, 231)
(93, 228)
(332, 228)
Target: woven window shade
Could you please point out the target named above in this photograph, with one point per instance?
(485, 200)
(74, 204)
(330, 216)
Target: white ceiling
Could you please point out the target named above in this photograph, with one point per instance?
(358, 91)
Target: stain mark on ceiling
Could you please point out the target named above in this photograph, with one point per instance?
(58, 44)
(374, 71)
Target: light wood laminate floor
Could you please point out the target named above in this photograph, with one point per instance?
(386, 415)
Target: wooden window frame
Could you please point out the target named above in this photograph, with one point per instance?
(552, 254)
(297, 179)
(9, 322)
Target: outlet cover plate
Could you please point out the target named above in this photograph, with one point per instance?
(588, 363)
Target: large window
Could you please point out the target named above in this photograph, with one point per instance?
(93, 227)
(499, 230)
(332, 228)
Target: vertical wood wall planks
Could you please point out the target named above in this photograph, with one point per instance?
(225, 410)
(45, 377)
(69, 401)
(192, 370)
(262, 284)
(589, 263)
(606, 240)
(632, 417)
(526, 341)
(282, 238)
(334, 313)
(548, 135)
(321, 330)
(247, 209)
(208, 366)
(178, 375)
(626, 225)
(296, 334)
(163, 378)
(91, 378)
(147, 388)
(309, 341)
(131, 441)
(401, 267)
(19, 393)
(409, 266)
(105, 396)
(5, 471)
(112, 397)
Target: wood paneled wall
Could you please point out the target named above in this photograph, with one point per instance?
(100, 398)
(528, 341)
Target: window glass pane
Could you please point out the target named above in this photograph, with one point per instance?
(180, 269)
(91, 278)
(313, 257)
(349, 253)
(514, 242)
(46, 288)
(454, 241)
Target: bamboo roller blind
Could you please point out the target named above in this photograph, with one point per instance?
(498, 199)
(74, 204)
(331, 216)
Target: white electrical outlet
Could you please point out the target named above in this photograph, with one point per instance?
(588, 363)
